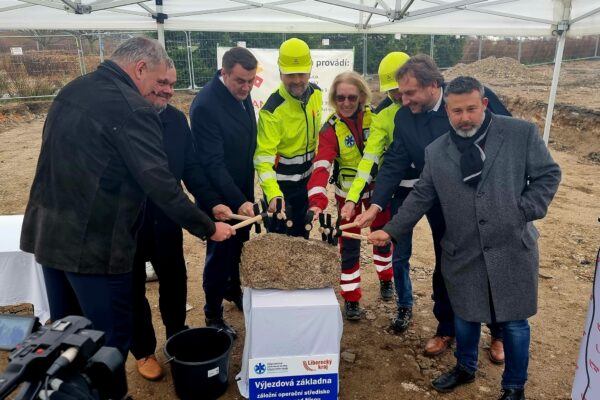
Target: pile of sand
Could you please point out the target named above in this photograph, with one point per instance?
(274, 261)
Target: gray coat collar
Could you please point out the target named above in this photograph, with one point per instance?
(493, 143)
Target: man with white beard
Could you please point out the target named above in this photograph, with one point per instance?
(493, 176)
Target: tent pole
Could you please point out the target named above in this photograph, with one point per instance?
(555, 75)
(160, 23)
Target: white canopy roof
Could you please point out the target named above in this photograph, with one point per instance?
(464, 17)
(474, 17)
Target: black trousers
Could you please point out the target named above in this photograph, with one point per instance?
(442, 309)
(221, 277)
(169, 265)
(102, 298)
(296, 201)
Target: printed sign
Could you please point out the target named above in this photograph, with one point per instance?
(326, 65)
(587, 374)
(313, 377)
(16, 51)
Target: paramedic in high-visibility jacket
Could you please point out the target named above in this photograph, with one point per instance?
(380, 139)
(288, 125)
(342, 142)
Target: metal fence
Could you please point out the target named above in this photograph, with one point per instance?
(38, 65)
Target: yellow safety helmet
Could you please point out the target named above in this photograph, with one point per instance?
(387, 70)
(294, 57)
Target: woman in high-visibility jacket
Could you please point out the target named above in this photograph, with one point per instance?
(342, 141)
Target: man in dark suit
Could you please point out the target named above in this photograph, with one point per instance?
(422, 119)
(160, 240)
(224, 128)
(493, 176)
(101, 156)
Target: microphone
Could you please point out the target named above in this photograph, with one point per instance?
(65, 359)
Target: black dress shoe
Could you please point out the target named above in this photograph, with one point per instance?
(448, 381)
(512, 394)
(219, 323)
(237, 299)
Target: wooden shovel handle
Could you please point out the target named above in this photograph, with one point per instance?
(239, 217)
(354, 236)
(348, 226)
(247, 222)
(250, 221)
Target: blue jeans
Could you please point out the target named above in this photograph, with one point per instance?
(401, 264)
(516, 349)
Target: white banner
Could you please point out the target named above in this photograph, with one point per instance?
(587, 375)
(313, 377)
(326, 65)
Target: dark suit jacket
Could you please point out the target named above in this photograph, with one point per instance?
(412, 133)
(101, 155)
(158, 229)
(225, 133)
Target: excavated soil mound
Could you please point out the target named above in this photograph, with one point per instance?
(494, 69)
(274, 261)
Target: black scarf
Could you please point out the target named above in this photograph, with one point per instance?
(471, 150)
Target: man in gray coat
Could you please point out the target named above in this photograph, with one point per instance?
(493, 176)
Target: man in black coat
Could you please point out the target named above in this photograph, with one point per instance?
(422, 119)
(160, 240)
(101, 155)
(224, 128)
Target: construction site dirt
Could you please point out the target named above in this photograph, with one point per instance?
(379, 364)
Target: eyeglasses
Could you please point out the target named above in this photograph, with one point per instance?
(341, 98)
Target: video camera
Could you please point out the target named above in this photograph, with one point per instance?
(67, 346)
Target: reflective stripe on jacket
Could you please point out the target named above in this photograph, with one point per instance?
(287, 138)
(341, 141)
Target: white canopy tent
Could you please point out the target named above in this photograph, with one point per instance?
(465, 17)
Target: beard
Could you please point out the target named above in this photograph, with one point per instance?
(297, 90)
(467, 133)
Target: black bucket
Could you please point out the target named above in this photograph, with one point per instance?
(199, 360)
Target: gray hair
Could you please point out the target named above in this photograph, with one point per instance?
(142, 48)
(463, 85)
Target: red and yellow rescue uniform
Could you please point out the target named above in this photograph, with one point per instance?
(341, 145)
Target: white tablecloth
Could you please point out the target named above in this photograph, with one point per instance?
(587, 374)
(289, 323)
(21, 278)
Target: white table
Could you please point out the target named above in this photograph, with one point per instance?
(291, 334)
(21, 278)
(587, 374)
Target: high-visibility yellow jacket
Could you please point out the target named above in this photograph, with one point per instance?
(380, 139)
(341, 143)
(287, 138)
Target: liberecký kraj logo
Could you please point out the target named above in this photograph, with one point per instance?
(260, 368)
(317, 365)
